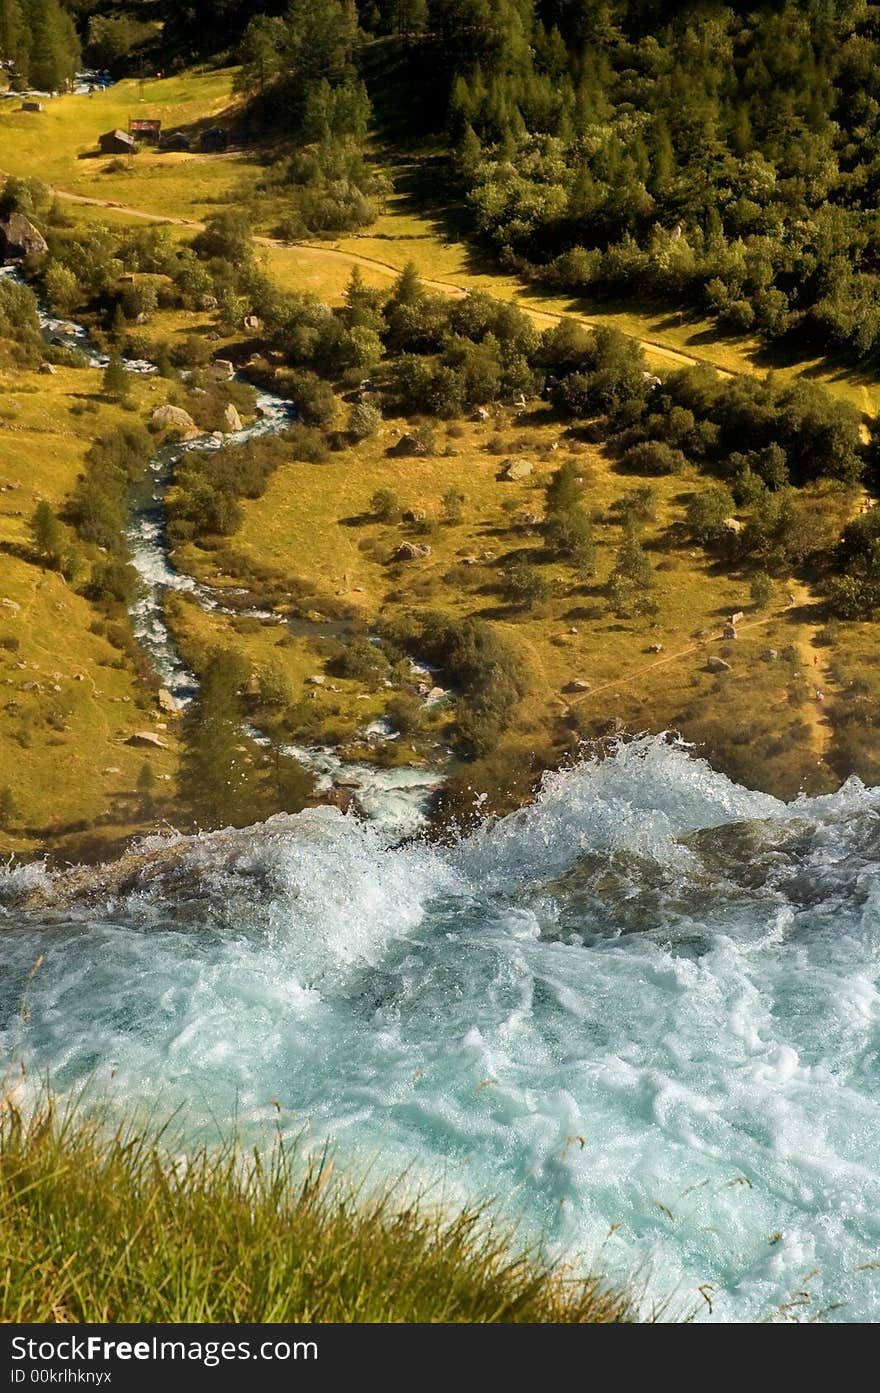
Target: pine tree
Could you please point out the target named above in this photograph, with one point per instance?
(47, 533)
(115, 379)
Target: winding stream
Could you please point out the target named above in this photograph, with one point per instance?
(396, 798)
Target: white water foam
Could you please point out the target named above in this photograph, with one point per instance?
(651, 1001)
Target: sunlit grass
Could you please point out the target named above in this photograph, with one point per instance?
(118, 1225)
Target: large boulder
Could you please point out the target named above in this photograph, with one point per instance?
(408, 445)
(19, 238)
(231, 419)
(515, 469)
(412, 551)
(148, 739)
(175, 420)
(718, 665)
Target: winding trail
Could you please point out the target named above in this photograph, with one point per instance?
(546, 318)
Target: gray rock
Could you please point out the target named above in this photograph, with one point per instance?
(222, 369)
(408, 445)
(48, 369)
(515, 469)
(412, 551)
(175, 419)
(577, 684)
(729, 631)
(655, 647)
(718, 665)
(19, 238)
(166, 701)
(317, 680)
(149, 738)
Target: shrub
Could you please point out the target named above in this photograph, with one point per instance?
(385, 505)
(653, 457)
(363, 420)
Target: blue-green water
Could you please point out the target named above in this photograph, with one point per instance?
(649, 1001)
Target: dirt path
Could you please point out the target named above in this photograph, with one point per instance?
(546, 318)
(813, 672)
(814, 660)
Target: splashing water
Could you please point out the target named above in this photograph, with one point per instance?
(649, 1000)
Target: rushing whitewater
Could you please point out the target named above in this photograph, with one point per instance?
(648, 1001)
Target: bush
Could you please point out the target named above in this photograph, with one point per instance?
(525, 586)
(385, 505)
(653, 457)
(363, 420)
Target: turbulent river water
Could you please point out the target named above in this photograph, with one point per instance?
(649, 1000)
(648, 1003)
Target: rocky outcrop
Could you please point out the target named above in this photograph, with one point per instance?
(19, 238)
(718, 665)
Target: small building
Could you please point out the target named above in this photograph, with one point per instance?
(117, 143)
(149, 131)
(30, 105)
(214, 140)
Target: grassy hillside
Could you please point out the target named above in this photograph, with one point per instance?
(70, 697)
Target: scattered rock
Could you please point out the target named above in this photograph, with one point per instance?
(718, 665)
(48, 369)
(735, 618)
(232, 418)
(252, 322)
(167, 702)
(222, 369)
(11, 604)
(577, 684)
(412, 551)
(481, 414)
(655, 647)
(514, 469)
(317, 680)
(206, 302)
(413, 515)
(469, 561)
(174, 418)
(770, 655)
(732, 525)
(408, 445)
(148, 738)
(111, 769)
(729, 631)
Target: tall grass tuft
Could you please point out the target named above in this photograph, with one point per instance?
(102, 1223)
